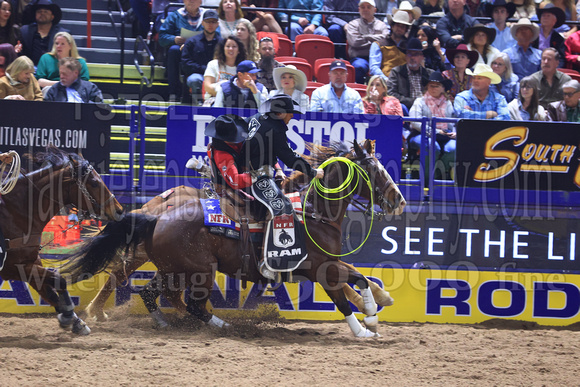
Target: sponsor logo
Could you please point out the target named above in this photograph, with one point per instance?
(284, 231)
(277, 204)
(263, 184)
(285, 253)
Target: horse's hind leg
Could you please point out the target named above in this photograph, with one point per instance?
(196, 304)
(381, 296)
(149, 294)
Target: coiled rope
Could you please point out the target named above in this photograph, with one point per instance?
(324, 192)
(9, 177)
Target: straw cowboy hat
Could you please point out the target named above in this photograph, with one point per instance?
(524, 22)
(469, 32)
(408, 7)
(299, 77)
(483, 70)
(399, 17)
(558, 12)
(472, 55)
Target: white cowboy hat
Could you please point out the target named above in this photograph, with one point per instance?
(406, 6)
(299, 77)
(483, 70)
(524, 22)
(399, 17)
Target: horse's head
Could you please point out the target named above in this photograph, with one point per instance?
(89, 193)
(385, 192)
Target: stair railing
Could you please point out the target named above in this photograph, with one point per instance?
(120, 36)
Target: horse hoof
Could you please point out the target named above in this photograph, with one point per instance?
(365, 333)
(65, 322)
(371, 322)
(80, 328)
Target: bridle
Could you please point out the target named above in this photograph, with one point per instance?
(378, 194)
(86, 169)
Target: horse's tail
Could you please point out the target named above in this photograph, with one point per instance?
(95, 255)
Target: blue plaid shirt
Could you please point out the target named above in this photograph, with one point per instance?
(494, 102)
(524, 63)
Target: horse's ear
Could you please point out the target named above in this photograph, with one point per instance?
(369, 146)
(357, 149)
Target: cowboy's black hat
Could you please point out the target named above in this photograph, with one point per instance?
(436, 76)
(557, 11)
(413, 44)
(29, 15)
(280, 103)
(511, 8)
(228, 127)
(469, 32)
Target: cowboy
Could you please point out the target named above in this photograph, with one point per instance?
(500, 11)
(551, 17)
(525, 58)
(267, 142)
(384, 54)
(480, 103)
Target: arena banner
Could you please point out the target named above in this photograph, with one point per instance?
(421, 295)
(518, 155)
(186, 125)
(80, 128)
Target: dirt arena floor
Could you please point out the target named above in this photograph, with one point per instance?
(266, 350)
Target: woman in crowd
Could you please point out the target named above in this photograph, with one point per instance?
(527, 106)
(228, 54)
(19, 83)
(291, 81)
(569, 8)
(262, 21)
(480, 39)
(7, 56)
(9, 32)
(435, 103)
(462, 58)
(524, 8)
(246, 32)
(432, 51)
(509, 86)
(378, 102)
(230, 14)
(64, 46)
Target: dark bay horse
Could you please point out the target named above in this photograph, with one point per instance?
(48, 182)
(188, 255)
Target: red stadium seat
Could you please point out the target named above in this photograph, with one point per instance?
(302, 37)
(569, 71)
(362, 89)
(312, 49)
(285, 47)
(300, 65)
(311, 86)
(322, 66)
(575, 76)
(281, 59)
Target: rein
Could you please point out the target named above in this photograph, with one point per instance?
(353, 170)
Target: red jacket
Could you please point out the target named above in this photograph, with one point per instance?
(227, 167)
(573, 50)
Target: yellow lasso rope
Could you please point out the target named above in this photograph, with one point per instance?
(353, 169)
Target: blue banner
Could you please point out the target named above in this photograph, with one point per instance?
(186, 126)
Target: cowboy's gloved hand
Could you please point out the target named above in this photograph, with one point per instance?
(319, 173)
(280, 174)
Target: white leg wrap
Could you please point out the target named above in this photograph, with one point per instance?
(369, 300)
(217, 322)
(357, 329)
(159, 319)
(372, 322)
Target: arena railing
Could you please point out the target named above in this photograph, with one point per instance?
(120, 35)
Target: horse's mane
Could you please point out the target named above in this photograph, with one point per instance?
(53, 156)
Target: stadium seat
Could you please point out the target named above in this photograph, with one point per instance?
(302, 37)
(283, 58)
(575, 76)
(569, 71)
(285, 47)
(322, 66)
(311, 86)
(312, 49)
(362, 89)
(303, 66)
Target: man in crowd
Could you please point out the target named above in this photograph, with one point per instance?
(384, 55)
(267, 63)
(360, 34)
(242, 90)
(525, 58)
(451, 26)
(567, 110)
(406, 81)
(480, 103)
(197, 52)
(38, 37)
(336, 97)
(551, 17)
(303, 23)
(500, 11)
(71, 88)
(550, 80)
(337, 23)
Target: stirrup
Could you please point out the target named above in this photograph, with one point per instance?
(267, 273)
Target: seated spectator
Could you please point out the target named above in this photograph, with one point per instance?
(336, 97)
(509, 85)
(71, 87)
(303, 23)
(19, 82)
(38, 37)
(525, 58)
(434, 103)
(527, 106)
(414, 16)
(524, 9)
(291, 81)
(567, 110)
(246, 32)
(230, 13)
(551, 17)
(361, 33)
(267, 63)
(450, 27)
(500, 11)
(480, 103)
(9, 31)
(432, 51)
(242, 91)
(377, 101)
(462, 59)
(198, 52)
(262, 21)
(64, 46)
(337, 23)
(572, 51)
(431, 7)
(7, 56)
(384, 55)
(230, 52)
(569, 9)
(406, 81)
(190, 18)
(479, 38)
(549, 79)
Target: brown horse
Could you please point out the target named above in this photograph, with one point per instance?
(188, 255)
(48, 182)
